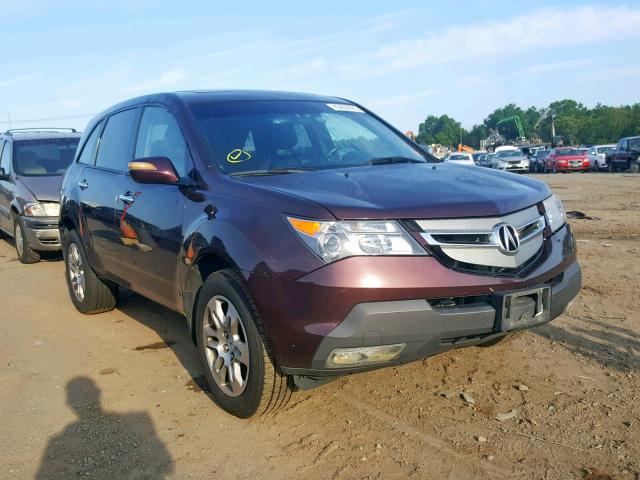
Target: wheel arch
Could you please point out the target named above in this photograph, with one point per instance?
(207, 262)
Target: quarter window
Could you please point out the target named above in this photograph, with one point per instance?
(160, 136)
(88, 154)
(114, 151)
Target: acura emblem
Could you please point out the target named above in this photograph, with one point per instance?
(507, 237)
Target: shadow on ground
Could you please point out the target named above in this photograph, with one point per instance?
(103, 444)
(172, 328)
(608, 345)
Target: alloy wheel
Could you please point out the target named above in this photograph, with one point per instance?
(226, 346)
(76, 272)
(19, 240)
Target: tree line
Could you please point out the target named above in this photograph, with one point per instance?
(575, 123)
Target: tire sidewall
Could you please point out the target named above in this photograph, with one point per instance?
(68, 238)
(245, 404)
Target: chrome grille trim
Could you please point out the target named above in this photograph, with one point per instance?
(528, 223)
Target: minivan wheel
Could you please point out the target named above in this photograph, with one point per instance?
(508, 338)
(25, 253)
(88, 292)
(234, 350)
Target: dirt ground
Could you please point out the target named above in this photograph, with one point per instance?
(117, 395)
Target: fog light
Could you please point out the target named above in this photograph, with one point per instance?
(344, 357)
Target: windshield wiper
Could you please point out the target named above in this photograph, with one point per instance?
(272, 171)
(387, 160)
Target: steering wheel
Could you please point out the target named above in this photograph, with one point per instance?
(337, 148)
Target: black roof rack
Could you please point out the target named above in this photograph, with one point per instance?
(40, 130)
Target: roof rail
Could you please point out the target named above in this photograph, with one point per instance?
(40, 130)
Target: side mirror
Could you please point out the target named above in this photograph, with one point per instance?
(158, 170)
(3, 174)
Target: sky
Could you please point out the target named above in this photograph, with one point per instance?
(63, 62)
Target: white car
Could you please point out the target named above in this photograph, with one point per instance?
(461, 158)
(511, 161)
(597, 155)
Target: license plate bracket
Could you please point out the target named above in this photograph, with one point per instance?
(523, 308)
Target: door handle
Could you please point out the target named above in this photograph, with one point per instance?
(126, 198)
(82, 184)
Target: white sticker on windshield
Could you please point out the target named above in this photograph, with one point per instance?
(344, 107)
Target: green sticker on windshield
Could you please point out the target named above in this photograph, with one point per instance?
(238, 156)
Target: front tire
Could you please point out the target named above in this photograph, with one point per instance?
(234, 349)
(88, 292)
(25, 253)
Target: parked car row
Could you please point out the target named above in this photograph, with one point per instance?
(302, 237)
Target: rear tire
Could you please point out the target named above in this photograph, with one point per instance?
(612, 167)
(504, 340)
(554, 171)
(88, 292)
(25, 253)
(635, 168)
(243, 387)
(596, 166)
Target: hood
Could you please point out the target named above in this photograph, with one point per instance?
(44, 189)
(410, 191)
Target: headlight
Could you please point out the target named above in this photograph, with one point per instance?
(502, 163)
(42, 209)
(554, 210)
(334, 240)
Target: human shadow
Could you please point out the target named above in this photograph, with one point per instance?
(608, 345)
(103, 444)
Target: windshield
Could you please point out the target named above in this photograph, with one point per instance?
(605, 149)
(565, 152)
(33, 158)
(249, 136)
(458, 157)
(509, 153)
(543, 153)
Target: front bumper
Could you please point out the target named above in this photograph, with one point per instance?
(42, 233)
(428, 330)
(366, 301)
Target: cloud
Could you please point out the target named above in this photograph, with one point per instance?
(165, 80)
(531, 32)
(16, 80)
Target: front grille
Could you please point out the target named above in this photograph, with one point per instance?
(472, 244)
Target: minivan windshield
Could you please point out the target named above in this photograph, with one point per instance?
(289, 136)
(33, 158)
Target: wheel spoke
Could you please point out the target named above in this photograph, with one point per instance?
(210, 331)
(243, 353)
(212, 343)
(217, 315)
(235, 378)
(234, 320)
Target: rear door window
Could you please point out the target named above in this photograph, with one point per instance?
(116, 143)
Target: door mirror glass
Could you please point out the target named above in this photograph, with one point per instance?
(158, 170)
(3, 174)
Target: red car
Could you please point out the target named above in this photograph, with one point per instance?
(566, 159)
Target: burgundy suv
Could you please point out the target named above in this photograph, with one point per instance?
(304, 238)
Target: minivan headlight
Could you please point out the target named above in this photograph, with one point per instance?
(554, 211)
(49, 209)
(334, 240)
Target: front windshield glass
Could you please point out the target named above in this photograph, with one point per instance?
(509, 153)
(543, 153)
(565, 152)
(458, 157)
(39, 158)
(605, 149)
(249, 136)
